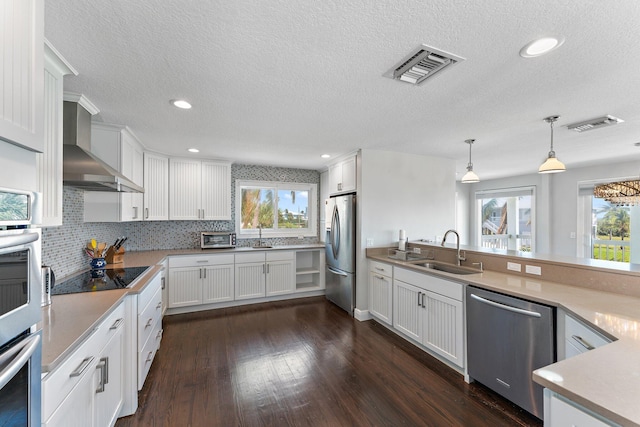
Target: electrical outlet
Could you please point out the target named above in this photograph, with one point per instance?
(572, 235)
(300, 237)
(369, 242)
(514, 266)
(417, 250)
(533, 269)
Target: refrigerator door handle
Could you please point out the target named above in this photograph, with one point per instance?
(339, 273)
(335, 232)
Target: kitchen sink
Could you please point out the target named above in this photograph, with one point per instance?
(447, 268)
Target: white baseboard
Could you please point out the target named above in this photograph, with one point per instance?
(361, 315)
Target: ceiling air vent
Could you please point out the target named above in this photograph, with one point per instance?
(421, 64)
(594, 123)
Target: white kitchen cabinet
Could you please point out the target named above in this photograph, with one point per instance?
(562, 412)
(199, 190)
(87, 388)
(49, 162)
(196, 280)
(342, 176)
(310, 270)
(264, 273)
(149, 326)
(381, 291)
(22, 85)
(156, 187)
(575, 337)
(119, 148)
(429, 310)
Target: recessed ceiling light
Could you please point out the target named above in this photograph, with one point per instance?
(541, 46)
(325, 156)
(193, 150)
(180, 103)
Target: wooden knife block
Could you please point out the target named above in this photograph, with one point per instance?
(114, 257)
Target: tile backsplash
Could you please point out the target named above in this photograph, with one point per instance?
(63, 247)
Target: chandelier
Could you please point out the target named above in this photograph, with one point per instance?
(622, 193)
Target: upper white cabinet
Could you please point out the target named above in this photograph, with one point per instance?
(342, 176)
(49, 162)
(156, 187)
(118, 147)
(199, 190)
(21, 82)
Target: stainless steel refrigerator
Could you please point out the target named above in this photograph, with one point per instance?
(340, 246)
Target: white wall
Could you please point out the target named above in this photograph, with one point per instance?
(556, 202)
(17, 168)
(463, 200)
(401, 191)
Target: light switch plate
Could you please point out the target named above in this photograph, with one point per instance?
(369, 242)
(533, 269)
(514, 266)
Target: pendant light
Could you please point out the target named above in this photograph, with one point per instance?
(552, 164)
(470, 176)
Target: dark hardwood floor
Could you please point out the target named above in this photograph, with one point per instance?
(304, 363)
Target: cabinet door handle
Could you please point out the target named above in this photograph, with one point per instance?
(101, 366)
(82, 367)
(267, 268)
(149, 358)
(106, 369)
(200, 271)
(583, 342)
(263, 269)
(163, 283)
(146, 213)
(158, 305)
(379, 277)
(423, 295)
(148, 323)
(159, 334)
(419, 293)
(116, 324)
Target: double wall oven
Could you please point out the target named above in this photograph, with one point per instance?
(20, 312)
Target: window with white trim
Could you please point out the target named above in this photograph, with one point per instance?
(282, 209)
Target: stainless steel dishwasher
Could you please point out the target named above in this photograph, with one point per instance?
(507, 339)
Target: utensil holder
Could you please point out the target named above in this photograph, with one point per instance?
(97, 263)
(115, 257)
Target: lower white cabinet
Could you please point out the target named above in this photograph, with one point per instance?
(149, 326)
(195, 280)
(86, 389)
(381, 291)
(429, 310)
(260, 274)
(561, 412)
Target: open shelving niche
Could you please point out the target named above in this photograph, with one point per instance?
(309, 270)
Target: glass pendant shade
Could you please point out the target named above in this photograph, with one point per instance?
(552, 164)
(470, 176)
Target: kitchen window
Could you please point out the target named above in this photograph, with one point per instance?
(282, 209)
(505, 218)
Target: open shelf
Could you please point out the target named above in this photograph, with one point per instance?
(309, 269)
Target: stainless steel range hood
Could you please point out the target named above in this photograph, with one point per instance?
(81, 168)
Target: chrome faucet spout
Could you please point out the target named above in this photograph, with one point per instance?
(458, 256)
(259, 235)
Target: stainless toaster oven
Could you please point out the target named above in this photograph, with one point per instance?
(217, 239)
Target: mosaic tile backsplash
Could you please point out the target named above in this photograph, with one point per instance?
(63, 247)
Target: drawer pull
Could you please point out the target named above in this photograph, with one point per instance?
(82, 367)
(116, 324)
(202, 261)
(379, 269)
(159, 334)
(148, 323)
(159, 305)
(149, 357)
(583, 342)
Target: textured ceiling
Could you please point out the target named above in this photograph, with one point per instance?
(282, 82)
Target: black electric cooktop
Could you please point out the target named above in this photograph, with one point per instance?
(98, 280)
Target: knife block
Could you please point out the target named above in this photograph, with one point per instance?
(114, 257)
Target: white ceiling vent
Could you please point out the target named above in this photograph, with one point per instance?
(594, 123)
(421, 64)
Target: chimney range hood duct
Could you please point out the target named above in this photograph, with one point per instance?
(81, 168)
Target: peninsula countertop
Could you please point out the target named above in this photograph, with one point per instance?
(605, 380)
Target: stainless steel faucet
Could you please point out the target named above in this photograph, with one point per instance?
(259, 235)
(458, 256)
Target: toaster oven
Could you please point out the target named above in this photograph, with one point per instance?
(217, 239)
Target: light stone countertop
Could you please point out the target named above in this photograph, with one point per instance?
(605, 380)
(71, 318)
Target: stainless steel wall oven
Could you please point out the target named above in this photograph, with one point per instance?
(20, 288)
